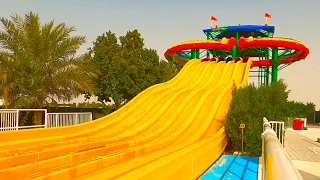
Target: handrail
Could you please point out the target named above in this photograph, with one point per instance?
(9, 119)
(12, 119)
(276, 164)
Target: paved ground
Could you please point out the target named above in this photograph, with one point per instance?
(312, 133)
(304, 152)
(300, 147)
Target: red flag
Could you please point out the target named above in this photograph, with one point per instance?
(214, 18)
(267, 15)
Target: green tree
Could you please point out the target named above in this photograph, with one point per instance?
(38, 62)
(125, 66)
(167, 71)
(300, 109)
(249, 105)
(175, 64)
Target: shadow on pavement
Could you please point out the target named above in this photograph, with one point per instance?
(308, 176)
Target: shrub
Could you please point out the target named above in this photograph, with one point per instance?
(249, 105)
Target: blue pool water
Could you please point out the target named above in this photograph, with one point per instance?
(231, 167)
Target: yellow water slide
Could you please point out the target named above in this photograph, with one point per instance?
(172, 130)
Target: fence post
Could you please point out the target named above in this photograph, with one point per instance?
(45, 118)
(56, 119)
(17, 120)
(91, 117)
(282, 133)
(4, 120)
(77, 118)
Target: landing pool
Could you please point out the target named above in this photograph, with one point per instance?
(233, 167)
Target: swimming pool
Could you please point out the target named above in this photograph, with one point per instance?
(233, 167)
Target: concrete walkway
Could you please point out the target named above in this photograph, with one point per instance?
(311, 133)
(304, 151)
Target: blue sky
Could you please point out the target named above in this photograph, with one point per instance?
(164, 23)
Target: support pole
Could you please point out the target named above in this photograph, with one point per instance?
(259, 72)
(267, 75)
(235, 48)
(197, 53)
(242, 140)
(193, 54)
(234, 52)
(237, 37)
(207, 50)
(275, 64)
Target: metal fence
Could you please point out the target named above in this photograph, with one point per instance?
(278, 127)
(8, 119)
(275, 162)
(12, 119)
(67, 119)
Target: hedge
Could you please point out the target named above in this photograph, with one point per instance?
(249, 105)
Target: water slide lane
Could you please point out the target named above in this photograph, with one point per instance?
(57, 151)
(31, 137)
(46, 153)
(62, 131)
(201, 75)
(179, 164)
(114, 171)
(148, 132)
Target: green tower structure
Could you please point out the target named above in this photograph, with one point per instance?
(265, 74)
(269, 54)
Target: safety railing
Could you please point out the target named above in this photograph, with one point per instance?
(275, 162)
(67, 119)
(278, 127)
(10, 119)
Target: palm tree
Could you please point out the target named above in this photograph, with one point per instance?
(38, 62)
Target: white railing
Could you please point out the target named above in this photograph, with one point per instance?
(10, 119)
(67, 119)
(278, 127)
(276, 165)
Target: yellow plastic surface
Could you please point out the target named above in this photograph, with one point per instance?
(172, 130)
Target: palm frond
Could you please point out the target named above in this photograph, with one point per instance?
(38, 62)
